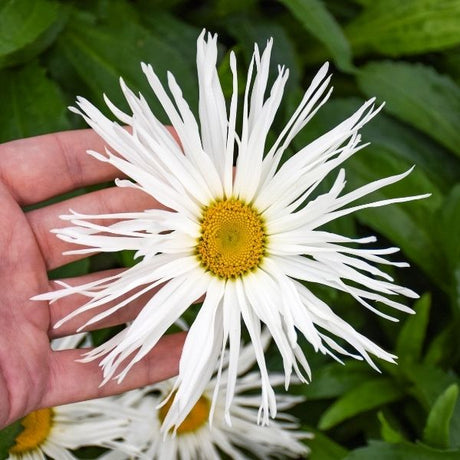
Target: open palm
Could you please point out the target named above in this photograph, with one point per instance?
(33, 376)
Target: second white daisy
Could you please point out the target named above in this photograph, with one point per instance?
(233, 435)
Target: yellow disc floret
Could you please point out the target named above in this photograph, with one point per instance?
(232, 240)
(196, 418)
(37, 427)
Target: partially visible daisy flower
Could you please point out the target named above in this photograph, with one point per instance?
(249, 239)
(196, 437)
(54, 432)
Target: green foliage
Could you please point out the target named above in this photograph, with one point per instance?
(335, 379)
(368, 395)
(317, 20)
(388, 432)
(396, 28)
(91, 50)
(53, 50)
(448, 231)
(436, 432)
(31, 103)
(410, 340)
(7, 438)
(247, 33)
(418, 95)
(27, 27)
(324, 448)
(77, 268)
(380, 451)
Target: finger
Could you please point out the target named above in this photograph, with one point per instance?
(106, 201)
(38, 168)
(66, 305)
(72, 381)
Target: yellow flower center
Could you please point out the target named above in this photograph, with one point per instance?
(37, 427)
(232, 240)
(196, 418)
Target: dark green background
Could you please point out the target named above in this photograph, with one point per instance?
(406, 53)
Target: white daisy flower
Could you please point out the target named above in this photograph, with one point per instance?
(197, 437)
(249, 239)
(54, 432)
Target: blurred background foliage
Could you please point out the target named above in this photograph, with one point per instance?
(406, 53)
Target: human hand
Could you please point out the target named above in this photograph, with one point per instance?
(32, 376)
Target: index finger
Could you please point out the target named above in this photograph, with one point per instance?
(38, 168)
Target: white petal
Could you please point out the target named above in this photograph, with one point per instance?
(199, 356)
(253, 326)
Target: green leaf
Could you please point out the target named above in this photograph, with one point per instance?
(364, 2)
(410, 340)
(176, 33)
(418, 95)
(396, 28)
(335, 379)
(224, 72)
(112, 51)
(152, 5)
(369, 395)
(448, 231)
(416, 148)
(429, 382)
(127, 258)
(389, 434)
(7, 438)
(454, 432)
(115, 12)
(227, 7)
(31, 103)
(450, 63)
(378, 450)
(322, 447)
(72, 269)
(248, 32)
(99, 336)
(444, 349)
(456, 287)
(436, 432)
(89, 452)
(27, 27)
(317, 20)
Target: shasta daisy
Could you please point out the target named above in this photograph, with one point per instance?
(248, 239)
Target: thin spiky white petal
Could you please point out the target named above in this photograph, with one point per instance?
(199, 355)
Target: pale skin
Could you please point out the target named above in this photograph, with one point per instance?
(32, 376)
